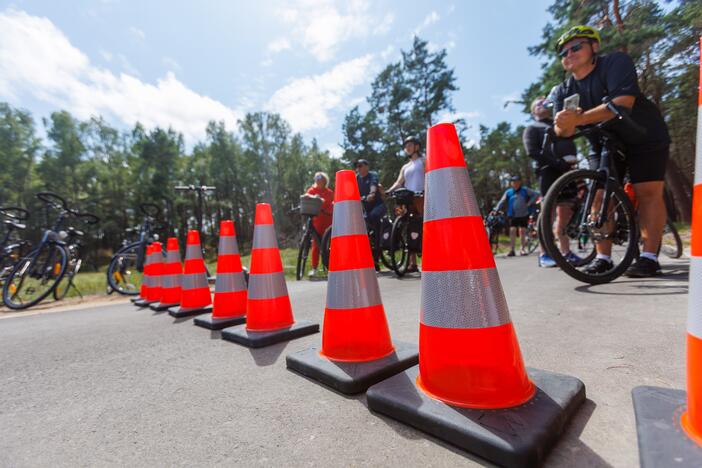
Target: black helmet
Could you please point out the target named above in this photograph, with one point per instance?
(515, 178)
(411, 139)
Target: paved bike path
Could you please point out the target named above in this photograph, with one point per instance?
(115, 385)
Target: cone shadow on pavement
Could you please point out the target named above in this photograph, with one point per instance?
(356, 347)
(474, 391)
(269, 317)
(195, 296)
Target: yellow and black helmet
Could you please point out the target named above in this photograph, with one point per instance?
(578, 31)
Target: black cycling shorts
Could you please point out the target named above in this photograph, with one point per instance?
(522, 221)
(643, 166)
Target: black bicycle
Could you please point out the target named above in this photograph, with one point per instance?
(495, 223)
(38, 273)
(126, 268)
(11, 246)
(309, 207)
(406, 234)
(602, 211)
(72, 238)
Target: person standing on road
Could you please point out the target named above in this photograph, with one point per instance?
(516, 200)
(324, 219)
(411, 177)
(550, 162)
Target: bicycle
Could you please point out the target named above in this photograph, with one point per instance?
(602, 211)
(126, 268)
(37, 274)
(11, 247)
(72, 237)
(494, 223)
(309, 207)
(532, 231)
(406, 234)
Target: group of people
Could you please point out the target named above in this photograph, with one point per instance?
(411, 177)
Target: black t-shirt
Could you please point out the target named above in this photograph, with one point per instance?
(364, 186)
(533, 138)
(615, 75)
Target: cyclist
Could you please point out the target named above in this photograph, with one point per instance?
(517, 199)
(369, 187)
(324, 219)
(411, 177)
(550, 163)
(594, 77)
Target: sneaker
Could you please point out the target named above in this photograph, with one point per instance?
(511, 253)
(643, 268)
(598, 266)
(572, 258)
(312, 272)
(546, 262)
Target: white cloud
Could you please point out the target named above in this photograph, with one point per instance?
(266, 62)
(430, 19)
(322, 25)
(335, 151)
(453, 116)
(279, 45)
(36, 59)
(137, 33)
(306, 102)
(171, 64)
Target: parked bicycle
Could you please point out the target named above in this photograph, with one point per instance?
(37, 274)
(309, 207)
(495, 223)
(406, 234)
(72, 238)
(126, 268)
(11, 246)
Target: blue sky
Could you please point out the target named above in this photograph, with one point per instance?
(183, 63)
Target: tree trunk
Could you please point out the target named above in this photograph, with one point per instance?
(679, 188)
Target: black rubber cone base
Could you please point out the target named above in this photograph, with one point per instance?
(159, 306)
(180, 312)
(662, 440)
(134, 299)
(217, 324)
(352, 377)
(515, 437)
(144, 303)
(253, 339)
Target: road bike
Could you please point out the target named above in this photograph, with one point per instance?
(309, 207)
(406, 234)
(126, 268)
(72, 238)
(37, 274)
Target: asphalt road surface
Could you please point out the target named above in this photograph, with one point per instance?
(119, 386)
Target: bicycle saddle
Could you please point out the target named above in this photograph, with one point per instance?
(15, 225)
(75, 232)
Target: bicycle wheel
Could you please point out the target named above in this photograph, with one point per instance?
(399, 250)
(65, 284)
(123, 274)
(671, 244)
(494, 238)
(532, 238)
(302, 254)
(35, 276)
(326, 248)
(621, 230)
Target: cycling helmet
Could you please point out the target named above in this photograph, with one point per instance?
(578, 31)
(515, 178)
(411, 139)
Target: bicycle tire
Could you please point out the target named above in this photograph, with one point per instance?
(550, 242)
(8, 295)
(532, 240)
(325, 251)
(113, 268)
(398, 235)
(302, 254)
(60, 291)
(674, 249)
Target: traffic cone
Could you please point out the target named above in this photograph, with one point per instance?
(356, 347)
(230, 288)
(153, 293)
(145, 278)
(195, 296)
(470, 375)
(269, 317)
(669, 421)
(170, 279)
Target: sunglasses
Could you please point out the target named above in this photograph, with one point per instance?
(574, 48)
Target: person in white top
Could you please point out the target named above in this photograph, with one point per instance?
(412, 178)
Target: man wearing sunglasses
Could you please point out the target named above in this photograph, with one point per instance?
(594, 77)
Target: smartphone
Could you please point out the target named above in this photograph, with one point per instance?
(571, 102)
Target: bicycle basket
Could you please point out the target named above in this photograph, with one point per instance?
(310, 206)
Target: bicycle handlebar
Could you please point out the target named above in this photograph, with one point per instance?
(6, 212)
(194, 188)
(89, 217)
(53, 199)
(145, 207)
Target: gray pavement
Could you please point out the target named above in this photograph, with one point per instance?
(119, 386)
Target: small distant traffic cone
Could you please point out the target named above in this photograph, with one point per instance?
(669, 421)
(356, 348)
(145, 277)
(153, 293)
(230, 288)
(269, 317)
(471, 377)
(170, 279)
(195, 298)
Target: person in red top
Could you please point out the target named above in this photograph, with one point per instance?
(322, 221)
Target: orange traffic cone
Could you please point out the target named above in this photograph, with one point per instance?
(195, 296)
(355, 334)
(469, 358)
(269, 317)
(662, 412)
(153, 293)
(230, 287)
(170, 279)
(145, 278)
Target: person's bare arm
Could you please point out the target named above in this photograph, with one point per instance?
(400, 180)
(567, 120)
